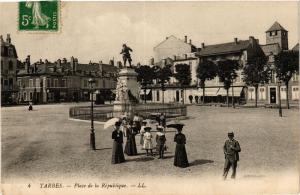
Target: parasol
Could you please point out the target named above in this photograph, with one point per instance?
(110, 122)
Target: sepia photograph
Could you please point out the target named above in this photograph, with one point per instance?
(149, 97)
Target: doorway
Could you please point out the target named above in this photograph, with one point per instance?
(273, 95)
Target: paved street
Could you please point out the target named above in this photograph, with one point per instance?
(44, 143)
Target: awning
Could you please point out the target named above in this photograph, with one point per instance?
(221, 91)
(142, 92)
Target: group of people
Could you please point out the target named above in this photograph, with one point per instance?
(130, 128)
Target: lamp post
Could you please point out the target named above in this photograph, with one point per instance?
(279, 99)
(92, 135)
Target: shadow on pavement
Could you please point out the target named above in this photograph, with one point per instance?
(141, 159)
(200, 162)
(254, 176)
(103, 148)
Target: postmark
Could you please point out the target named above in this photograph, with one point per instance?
(39, 16)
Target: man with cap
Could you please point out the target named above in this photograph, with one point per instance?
(160, 141)
(231, 150)
(117, 151)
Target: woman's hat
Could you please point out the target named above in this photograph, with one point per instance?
(147, 128)
(118, 123)
(231, 134)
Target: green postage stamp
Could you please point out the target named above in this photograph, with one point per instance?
(39, 16)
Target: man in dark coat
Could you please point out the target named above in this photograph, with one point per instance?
(130, 147)
(231, 150)
(160, 141)
(180, 159)
(117, 151)
(126, 55)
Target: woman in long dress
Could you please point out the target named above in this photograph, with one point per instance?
(117, 151)
(130, 147)
(148, 141)
(180, 159)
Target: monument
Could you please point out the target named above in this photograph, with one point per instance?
(127, 90)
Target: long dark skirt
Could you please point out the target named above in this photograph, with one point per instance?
(117, 153)
(130, 147)
(180, 159)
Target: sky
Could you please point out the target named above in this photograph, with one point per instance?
(94, 31)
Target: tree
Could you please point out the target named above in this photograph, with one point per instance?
(206, 70)
(163, 76)
(227, 73)
(183, 75)
(145, 77)
(255, 72)
(286, 64)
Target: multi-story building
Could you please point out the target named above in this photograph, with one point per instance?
(173, 46)
(9, 63)
(64, 80)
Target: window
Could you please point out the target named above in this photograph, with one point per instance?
(30, 82)
(20, 83)
(63, 83)
(37, 82)
(10, 52)
(262, 93)
(251, 93)
(10, 66)
(10, 83)
(30, 96)
(272, 76)
(55, 82)
(48, 82)
(283, 92)
(84, 83)
(157, 95)
(295, 93)
(295, 77)
(5, 82)
(96, 83)
(25, 96)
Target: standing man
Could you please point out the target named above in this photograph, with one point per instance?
(231, 150)
(160, 141)
(126, 55)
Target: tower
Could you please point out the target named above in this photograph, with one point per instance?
(277, 34)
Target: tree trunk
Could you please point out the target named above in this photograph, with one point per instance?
(287, 95)
(145, 90)
(232, 96)
(203, 100)
(163, 96)
(227, 98)
(256, 87)
(182, 95)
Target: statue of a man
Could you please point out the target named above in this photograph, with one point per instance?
(126, 55)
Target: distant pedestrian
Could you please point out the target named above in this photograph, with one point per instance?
(162, 120)
(142, 132)
(117, 151)
(137, 120)
(231, 151)
(160, 141)
(130, 147)
(148, 141)
(180, 159)
(30, 106)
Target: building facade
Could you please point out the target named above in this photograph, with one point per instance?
(63, 80)
(9, 63)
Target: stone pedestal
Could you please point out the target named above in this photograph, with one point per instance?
(127, 84)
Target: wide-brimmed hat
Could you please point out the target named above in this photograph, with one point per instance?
(147, 128)
(230, 133)
(118, 123)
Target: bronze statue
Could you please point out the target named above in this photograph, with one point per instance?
(126, 55)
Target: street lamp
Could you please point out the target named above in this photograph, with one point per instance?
(92, 135)
(279, 99)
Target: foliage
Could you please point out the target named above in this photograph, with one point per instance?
(183, 74)
(227, 72)
(206, 70)
(163, 75)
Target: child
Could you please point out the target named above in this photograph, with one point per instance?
(148, 141)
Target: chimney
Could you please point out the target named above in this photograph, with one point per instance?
(138, 64)
(101, 69)
(167, 38)
(100, 62)
(202, 45)
(46, 61)
(252, 41)
(119, 64)
(191, 41)
(174, 57)
(58, 62)
(1, 39)
(64, 61)
(27, 64)
(235, 40)
(8, 39)
(41, 61)
(152, 61)
(185, 39)
(111, 62)
(185, 56)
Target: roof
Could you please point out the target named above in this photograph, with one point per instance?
(276, 26)
(296, 47)
(172, 36)
(273, 48)
(5, 47)
(231, 47)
